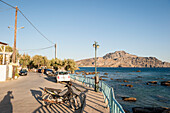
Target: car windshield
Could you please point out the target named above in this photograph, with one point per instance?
(63, 73)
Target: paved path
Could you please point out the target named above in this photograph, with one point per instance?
(23, 96)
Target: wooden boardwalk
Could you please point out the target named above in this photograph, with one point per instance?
(94, 102)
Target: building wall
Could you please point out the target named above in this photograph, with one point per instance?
(10, 71)
(3, 72)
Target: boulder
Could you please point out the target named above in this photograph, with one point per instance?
(93, 77)
(125, 81)
(77, 73)
(129, 85)
(90, 73)
(129, 99)
(153, 82)
(138, 71)
(105, 73)
(165, 83)
(150, 110)
(82, 71)
(103, 79)
(87, 73)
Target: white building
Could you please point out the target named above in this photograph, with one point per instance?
(5, 68)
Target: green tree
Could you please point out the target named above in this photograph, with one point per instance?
(10, 49)
(71, 65)
(25, 60)
(37, 60)
(56, 63)
(44, 61)
(67, 64)
(7, 49)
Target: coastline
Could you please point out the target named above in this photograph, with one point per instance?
(147, 95)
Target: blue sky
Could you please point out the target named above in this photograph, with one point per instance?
(140, 27)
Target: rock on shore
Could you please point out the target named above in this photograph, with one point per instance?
(129, 99)
(150, 110)
(123, 59)
(165, 83)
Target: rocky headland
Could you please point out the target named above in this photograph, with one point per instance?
(123, 59)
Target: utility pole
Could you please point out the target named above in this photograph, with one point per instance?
(14, 49)
(55, 50)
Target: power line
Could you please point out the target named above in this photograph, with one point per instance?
(7, 4)
(36, 49)
(29, 22)
(35, 27)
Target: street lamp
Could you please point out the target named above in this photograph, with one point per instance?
(17, 28)
(95, 45)
(14, 49)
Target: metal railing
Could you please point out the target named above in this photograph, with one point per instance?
(107, 91)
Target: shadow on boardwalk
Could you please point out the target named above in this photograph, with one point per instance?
(92, 103)
(94, 100)
(55, 108)
(5, 104)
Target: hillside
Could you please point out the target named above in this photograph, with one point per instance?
(123, 59)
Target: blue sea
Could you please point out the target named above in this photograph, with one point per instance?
(153, 95)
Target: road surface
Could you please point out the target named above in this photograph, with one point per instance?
(23, 96)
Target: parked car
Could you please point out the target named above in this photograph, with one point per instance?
(23, 72)
(48, 71)
(62, 76)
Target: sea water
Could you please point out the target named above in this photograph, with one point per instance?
(152, 95)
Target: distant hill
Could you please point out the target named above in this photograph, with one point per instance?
(123, 59)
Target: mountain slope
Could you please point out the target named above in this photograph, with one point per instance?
(123, 59)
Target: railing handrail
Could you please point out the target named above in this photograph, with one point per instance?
(108, 94)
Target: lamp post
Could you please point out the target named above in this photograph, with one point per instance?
(14, 49)
(95, 45)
